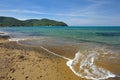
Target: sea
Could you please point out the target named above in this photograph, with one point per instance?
(91, 52)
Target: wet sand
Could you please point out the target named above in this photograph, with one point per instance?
(68, 49)
(111, 64)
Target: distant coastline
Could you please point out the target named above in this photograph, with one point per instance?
(11, 21)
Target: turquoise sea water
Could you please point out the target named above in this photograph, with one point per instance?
(89, 50)
(107, 35)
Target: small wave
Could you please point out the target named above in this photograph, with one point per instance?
(84, 67)
(22, 39)
(16, 39)
(3, 33)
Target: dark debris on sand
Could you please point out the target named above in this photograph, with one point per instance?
(4, 37)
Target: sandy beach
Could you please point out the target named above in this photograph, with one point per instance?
(28, 62)
(19, 62)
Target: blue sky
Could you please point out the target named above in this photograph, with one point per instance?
(73, 12)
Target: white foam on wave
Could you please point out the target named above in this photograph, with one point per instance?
(3, 33)
(22, 39)
(16, 39)
(54, 53)
(84, 67)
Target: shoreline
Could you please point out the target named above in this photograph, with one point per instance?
(48, 59)
(49, 48)
(32, 63)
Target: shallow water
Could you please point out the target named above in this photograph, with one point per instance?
(106, 35)
(87, 60)
(91, 52)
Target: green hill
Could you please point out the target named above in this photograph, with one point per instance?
(10, 21)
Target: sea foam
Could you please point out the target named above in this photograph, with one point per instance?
(84, 67)
(21, 39)
(16, 39)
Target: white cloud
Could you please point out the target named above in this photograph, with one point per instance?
(38, 12)
(22, 11)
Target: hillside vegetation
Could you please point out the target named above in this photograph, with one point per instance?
(10, 21)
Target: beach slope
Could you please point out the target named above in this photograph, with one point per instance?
(20, 62)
